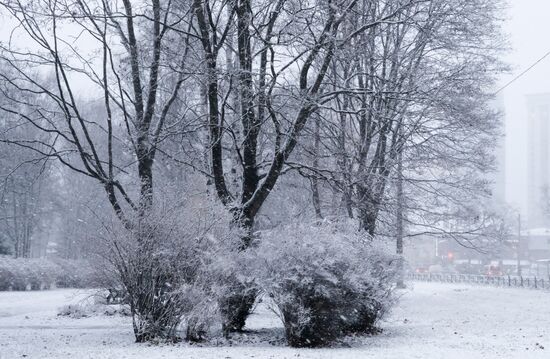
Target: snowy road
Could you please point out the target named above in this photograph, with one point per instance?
(432, 321)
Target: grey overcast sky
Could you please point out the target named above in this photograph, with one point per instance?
(528, 26)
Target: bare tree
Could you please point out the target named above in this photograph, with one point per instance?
(420, 84)
(69, 51)
(284, 51)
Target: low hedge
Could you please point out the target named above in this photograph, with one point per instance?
(19, 274)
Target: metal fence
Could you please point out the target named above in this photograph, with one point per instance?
(497, 281)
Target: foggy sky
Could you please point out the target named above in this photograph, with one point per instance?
(529, 29)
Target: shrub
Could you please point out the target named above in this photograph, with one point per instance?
(16, 273)
(35, 274)
(75, 311)
(49, 272)
(5, 276)
(169, 263)
(326, 280)
(88, 308)
(237, 303)
(73, 274)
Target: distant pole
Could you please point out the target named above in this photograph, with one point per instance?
(399, 220)
(518, 249)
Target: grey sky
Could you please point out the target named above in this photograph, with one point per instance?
(529, 29)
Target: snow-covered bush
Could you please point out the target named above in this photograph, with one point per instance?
(237, 302)
(17, 273)
(49, 273)
(170, 263)
(90, 307)
(75, 311)
(6, 275)
(74, 274)
(326, 280)
(35, 274)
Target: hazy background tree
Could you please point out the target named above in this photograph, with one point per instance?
(418, 89)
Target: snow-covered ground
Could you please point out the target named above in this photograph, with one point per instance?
(432, 321)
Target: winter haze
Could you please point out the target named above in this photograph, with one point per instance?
(525, 26)
(274, 179)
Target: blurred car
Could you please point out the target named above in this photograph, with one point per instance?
(421, 270)
(493, 271)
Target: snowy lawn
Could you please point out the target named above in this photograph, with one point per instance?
(432, 320)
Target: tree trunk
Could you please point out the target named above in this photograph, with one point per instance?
(368, 211)
(249, 119)
(316, 197)
(399, 220)
(238, 304)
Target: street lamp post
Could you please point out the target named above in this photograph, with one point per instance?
(518, 249)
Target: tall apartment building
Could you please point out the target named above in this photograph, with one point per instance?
(538, 160)
(498, 178)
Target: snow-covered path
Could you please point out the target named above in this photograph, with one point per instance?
(432, 321)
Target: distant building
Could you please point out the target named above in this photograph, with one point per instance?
(498, 178)
(535, 244)
(538, 158)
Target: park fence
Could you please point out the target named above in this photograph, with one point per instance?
(485, 280)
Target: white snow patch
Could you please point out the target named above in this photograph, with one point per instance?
(432, 320)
